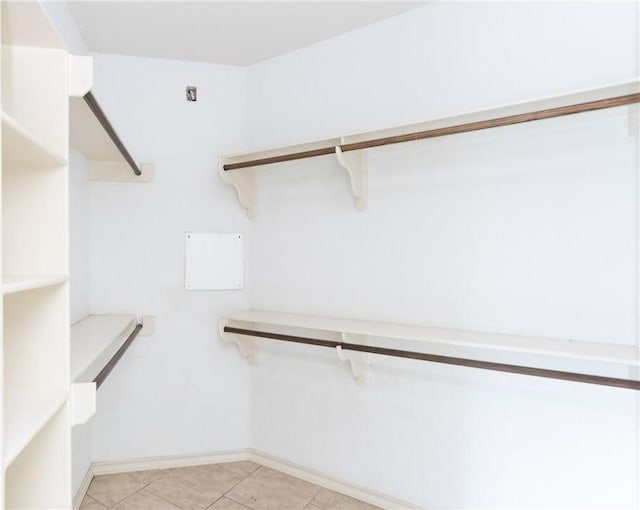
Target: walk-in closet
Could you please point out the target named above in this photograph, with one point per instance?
(320, 255)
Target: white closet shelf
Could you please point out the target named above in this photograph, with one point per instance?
(94, 340)
(87, 134)
(565, 348)
(92, 134)
(22, 149)
(13, 284)
(26, 413)
(238, 170)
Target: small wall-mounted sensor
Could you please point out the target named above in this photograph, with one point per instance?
(192, 93)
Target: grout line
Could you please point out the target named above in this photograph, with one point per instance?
(239, 482)
(230, 499)
(235, 501)
(160, 497)
(128, 496)
(315, 495)
(167, 471)
(225, 495)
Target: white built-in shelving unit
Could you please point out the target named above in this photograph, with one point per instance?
(36, 407)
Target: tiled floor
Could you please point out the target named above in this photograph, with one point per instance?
(230, 486)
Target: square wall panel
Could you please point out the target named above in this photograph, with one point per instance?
(213, 261)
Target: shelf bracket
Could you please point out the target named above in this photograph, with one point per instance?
(244, 182)
(359, 361)
(356, 165)
(148, 325)
(246, 345)
(80, 75)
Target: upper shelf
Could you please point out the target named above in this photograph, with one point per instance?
(94, 340)
(22, 149)
(91, 132)
(87, 134)
(239, 169)
(26, 24)
(591, 351)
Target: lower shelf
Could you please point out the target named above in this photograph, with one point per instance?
(354, 340)
(12, 284)
(94, 340)
(40, 476)
(26, 413)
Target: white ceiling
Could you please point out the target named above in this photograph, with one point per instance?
(235, 33)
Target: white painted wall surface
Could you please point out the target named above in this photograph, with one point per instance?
(182, 390)
(60, 17)
(528, 229)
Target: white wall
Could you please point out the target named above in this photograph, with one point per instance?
(529, 229)
(60, 16)
(181, 390)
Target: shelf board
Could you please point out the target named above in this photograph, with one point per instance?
(13, 284)
(27, 24)
(87, 135)
(94, 340)
(26, 413)
(21, 149)
(577, 97)
(574, 349)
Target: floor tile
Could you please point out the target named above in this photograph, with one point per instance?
(111, 489)
(227, 504)
(149, 475)
(176, 493)
(144, 500)
(267, 489)
(196, 485)
(330, 500)
(244, 467)
(88, 503)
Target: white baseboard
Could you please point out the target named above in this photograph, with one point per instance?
(264, 459)
(82, 490)
(173, 461)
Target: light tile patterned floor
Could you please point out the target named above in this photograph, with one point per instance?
(230, 486)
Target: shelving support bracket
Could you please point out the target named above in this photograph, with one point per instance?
(244, 182)
(356, 165)
(80, 75)
(359, 361)
(246, 345)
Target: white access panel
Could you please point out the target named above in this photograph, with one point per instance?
(213, 261)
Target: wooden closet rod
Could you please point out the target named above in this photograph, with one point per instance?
(116, 357)
(449, 360)
(106, 125)
(450, 130)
